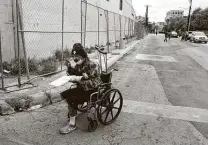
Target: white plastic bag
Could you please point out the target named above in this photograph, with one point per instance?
(66, 79)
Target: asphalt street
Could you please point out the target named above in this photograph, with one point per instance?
(185, 82)
(164, 86)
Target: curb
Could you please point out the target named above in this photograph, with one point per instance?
(5, 108)
(49, 96)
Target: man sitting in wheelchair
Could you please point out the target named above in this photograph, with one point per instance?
(88, 84)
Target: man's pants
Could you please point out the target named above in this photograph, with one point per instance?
(74, 97)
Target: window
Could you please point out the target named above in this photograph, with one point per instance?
(121, 5)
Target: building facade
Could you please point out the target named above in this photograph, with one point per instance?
(123, 7)
(174, 14)
(160, 26)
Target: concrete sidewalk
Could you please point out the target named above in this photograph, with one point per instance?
(44, 94)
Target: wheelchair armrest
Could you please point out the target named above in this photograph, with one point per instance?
(99, 50)
(105, 84)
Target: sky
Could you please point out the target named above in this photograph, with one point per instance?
(158, 8)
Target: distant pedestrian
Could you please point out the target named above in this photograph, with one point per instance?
(169, 35)
(183, 36)
(186, 36)
(156, 33)
(166, 37)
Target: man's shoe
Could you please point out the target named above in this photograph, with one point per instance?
(67, 129)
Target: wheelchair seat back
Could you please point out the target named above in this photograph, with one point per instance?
(106, 77)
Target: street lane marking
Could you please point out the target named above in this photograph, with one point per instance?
(155, 57)
(166, 111)
(18, 141)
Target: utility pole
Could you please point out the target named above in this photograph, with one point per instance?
(189, 16)
(147, 11)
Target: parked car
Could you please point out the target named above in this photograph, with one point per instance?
(198, 36)
(174, 34)
(189, 35)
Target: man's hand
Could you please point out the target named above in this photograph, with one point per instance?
(67, 63)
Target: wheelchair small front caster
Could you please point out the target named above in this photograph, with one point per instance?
(92, 126)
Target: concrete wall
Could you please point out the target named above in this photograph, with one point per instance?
(6, 27)
(113, 5)
(46, 16)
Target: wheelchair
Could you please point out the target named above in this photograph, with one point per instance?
(107, 101)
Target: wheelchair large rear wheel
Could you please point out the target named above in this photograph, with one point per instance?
(110, 106)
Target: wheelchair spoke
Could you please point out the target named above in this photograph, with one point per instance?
(109, 100)
(115, 108)
(107, 116)
(113, 97)
(104, 111)
(116, 101)
(111, 113)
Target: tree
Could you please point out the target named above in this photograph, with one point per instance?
(199, 20)
(177, 24)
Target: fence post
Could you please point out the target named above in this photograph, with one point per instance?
(120, 25)
(131, 28)
(125, 28)
(62, 36)
(128, 29)
(81, 21)
(115, 28)
(1, 63)
(18, 46)
(85, 23)
(14, 27)
(108, 43)
(98, 26)
(135, 27)
(23, 44)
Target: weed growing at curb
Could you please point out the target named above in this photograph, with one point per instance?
(13, 66)
(58, 54)
(48, 65)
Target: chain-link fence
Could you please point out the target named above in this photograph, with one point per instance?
(48, 29)
(105, 28)
(7, 41)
